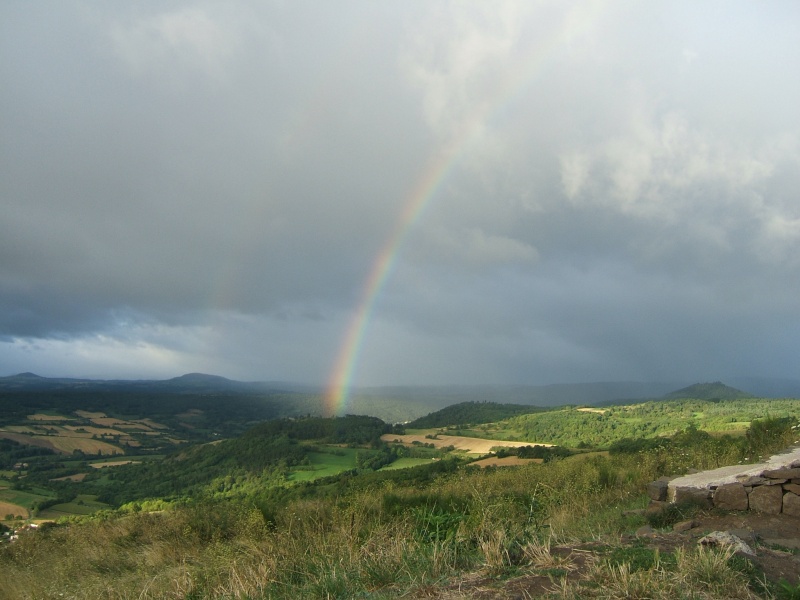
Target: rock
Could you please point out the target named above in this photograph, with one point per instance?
(725, 538)
(690, 495)
(657, 490)
(791, 504)
(683, 526)
(792, 543)
(747, 536)
(766, 499)
(751, 480)
(791, 487)
(731, 496)
(655, 507)
(785, 473)
(645, 531)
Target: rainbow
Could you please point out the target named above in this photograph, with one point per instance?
(428, 184)
(339, 385)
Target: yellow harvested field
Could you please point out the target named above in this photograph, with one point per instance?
(153, 424)
(122, 424)
(29, 440)
(92, 430)
(68, 445)
(506, 461)
(40, 417)
(89, 415)
(77, 477)
(599, 411)
(114, 463)
(65, 445)
(20, 429)
(6, 508)
(468, 444)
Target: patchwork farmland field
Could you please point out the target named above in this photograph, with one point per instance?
(91, 433)
(63, 444)
(473, 445)
(6, 508)
(506, 461)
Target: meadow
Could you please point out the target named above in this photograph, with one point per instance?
(437, 530)
(353, 507)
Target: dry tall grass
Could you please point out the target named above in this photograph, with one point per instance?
(385, 541)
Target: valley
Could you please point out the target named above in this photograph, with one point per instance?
(208, 493)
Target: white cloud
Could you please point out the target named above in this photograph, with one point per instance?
(459, 57)
(190, 37)
(472, 248)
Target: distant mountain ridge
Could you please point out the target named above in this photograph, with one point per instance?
(190, 383)
(395, 404)
(708, 391)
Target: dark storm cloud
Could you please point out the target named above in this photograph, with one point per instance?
(202, 186)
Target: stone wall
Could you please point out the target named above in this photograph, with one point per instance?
(771, 487)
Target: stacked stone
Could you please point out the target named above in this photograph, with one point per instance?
(774, 491)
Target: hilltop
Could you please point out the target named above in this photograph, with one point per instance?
(708, 391)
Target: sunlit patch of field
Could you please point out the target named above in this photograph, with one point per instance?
(467, 444)
(90, 431)
(82, 505)
(324, 464)
(599, 411)
(68, 445)
(6, 508)
(405, 463)
(20, 429)
(121, 423)
(25, 499)
(506, 461)
(77, 478)
(113, 463)
(29, 440)
(43, 417)
(89, 415)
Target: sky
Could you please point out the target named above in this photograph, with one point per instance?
(360, 193)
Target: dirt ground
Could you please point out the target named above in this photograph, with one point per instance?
(774, 538)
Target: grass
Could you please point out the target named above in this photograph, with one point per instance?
(83, 504)
(23, 498)
(405, 463)
(325, 464)
(787, 591)
(387, 537)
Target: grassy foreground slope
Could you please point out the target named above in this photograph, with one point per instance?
(419, 532)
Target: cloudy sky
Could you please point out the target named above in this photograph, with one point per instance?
(468, 192)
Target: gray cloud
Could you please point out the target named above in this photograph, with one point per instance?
(199, 186)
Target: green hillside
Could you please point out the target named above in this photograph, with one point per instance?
(466, 414)
(709, 391)
(573, 427)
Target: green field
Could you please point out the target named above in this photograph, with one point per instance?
(405, 463)
(324, 464)
(22, 498)
(83, 504)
